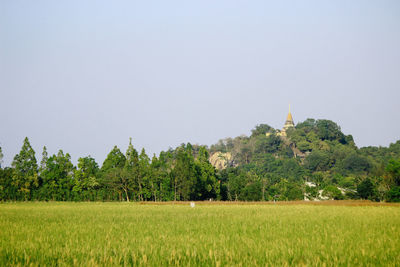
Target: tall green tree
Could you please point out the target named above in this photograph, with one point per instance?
(111, 172)
(392, 179)
(163, 167)
(365, 189)
(144, 182)
(43, 162)
(184, 173)
(57, 178)
(114, 159)
(86, 181)
(129, 179)
(132, 170)
(155, 178)
(207, 185)
(7, 189)
(237, 181)
(25, 176)
(252, 191)
(393, 172)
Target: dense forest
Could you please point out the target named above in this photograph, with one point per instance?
(313, 161)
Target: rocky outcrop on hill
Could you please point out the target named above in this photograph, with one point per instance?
(221, 160)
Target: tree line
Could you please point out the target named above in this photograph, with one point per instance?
(314, 161)
(174, 175)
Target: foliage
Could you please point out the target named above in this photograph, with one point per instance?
(86, 181)
(114, 159)
(8, 191)
(365, 189)
(25, 176)
(57, 178)
(111, 172)
(261, 129)
(393, 172)
(207, 186)
(394, 194)
(333, 192)
(184, 174)
(264, 166)
(318, 161)
(355, 163)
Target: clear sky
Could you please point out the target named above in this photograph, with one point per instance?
(85, 75)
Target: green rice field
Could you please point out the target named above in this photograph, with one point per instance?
(221, 234)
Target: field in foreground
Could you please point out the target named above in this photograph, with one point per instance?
(91, 234)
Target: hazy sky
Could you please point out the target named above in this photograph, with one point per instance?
(84, 76)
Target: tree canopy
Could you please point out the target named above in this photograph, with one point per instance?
(315, 156)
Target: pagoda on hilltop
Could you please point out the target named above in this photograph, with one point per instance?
(289, 123)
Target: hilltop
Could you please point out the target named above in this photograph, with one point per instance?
(313, 159)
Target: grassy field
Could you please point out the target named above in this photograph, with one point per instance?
(92, 234)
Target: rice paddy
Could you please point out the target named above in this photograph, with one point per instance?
(113, 234)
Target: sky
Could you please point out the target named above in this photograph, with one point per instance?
(83, 76)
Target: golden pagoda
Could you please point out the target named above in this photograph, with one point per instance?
(289, 121)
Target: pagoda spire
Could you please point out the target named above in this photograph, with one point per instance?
(289, 121)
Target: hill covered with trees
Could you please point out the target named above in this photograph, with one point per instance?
(313, 160)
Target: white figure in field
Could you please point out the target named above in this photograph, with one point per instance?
(192, 204)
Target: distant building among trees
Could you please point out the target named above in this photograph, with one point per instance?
(289, 123)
